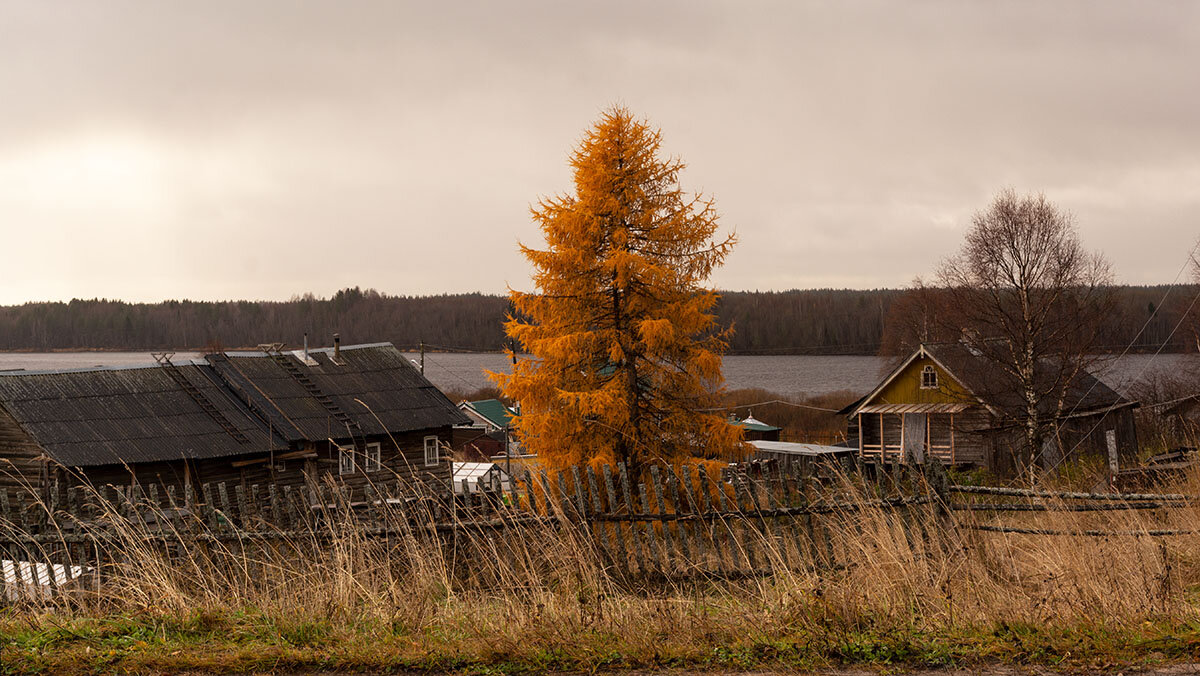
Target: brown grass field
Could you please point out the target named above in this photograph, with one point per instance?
(542, 598)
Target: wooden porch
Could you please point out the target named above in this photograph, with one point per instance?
(909, 432)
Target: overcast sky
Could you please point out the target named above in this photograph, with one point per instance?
(212, 150)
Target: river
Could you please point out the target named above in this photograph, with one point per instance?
(788, 375)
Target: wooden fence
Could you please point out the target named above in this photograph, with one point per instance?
(754, 519)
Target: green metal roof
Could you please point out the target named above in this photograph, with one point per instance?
(493, 410)
(752, 425)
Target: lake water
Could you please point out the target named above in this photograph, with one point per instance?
(787, 375)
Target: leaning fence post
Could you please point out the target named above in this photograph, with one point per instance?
(939, 481)
(5, 507)
(635, 537)
(619, 532)
(668, 541)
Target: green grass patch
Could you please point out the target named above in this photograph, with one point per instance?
(249, 642)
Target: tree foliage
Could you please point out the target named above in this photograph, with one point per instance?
(625, 349)
(1026, 296)
(811, 321)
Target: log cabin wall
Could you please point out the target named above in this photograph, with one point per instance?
(24, 470)
(972, 442)
(1087, 436)
(406, 465)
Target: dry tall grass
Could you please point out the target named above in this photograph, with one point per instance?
(546, 589)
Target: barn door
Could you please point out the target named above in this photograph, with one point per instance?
(914, 437)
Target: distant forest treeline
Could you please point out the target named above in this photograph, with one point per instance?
(821, 321)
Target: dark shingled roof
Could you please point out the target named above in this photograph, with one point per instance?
(998, 388)
(378, 375)
(105, 416)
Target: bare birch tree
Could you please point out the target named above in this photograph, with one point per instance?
(1028, 299)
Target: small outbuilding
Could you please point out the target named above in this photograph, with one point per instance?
(756, 430)
(487, 433)
(476, 477)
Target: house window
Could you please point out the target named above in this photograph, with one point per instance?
(373, 463)
(345, 460)
(431, 451)
(928, 378)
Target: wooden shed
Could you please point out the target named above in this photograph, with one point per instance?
(947, 402)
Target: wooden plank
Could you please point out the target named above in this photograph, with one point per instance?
(747, 534)
(788, 533)
(619, 532)
(581, 502)
(226, 505)
(544, 481)
(509, 497)
(239, 493)
(276, 507)
(598, 509)
(6, 507)
(903, 514)
(564, 499)
(256, 502)
(808, 543)
(634, 535)
(527, 480)
(74, 506)
(719, 529)
(656, 558)
(660, 506)
(776, 490)
(682, 529)
(289, 508)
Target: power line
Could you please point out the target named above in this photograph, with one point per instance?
(764, 403)
(1191, 259)
(451, 372)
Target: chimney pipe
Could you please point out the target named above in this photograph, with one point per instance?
(306, 347)
(337, 346)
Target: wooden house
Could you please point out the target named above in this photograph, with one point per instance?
(487, 434)
(948, 402)
(356, 414)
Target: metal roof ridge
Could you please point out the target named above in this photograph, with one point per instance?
(94, 369)
(324, 350)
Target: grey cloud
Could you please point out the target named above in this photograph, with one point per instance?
(203, 149)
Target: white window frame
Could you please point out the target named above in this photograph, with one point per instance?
(374, 459)
(431, 443)
(928, 370)
(346, 457)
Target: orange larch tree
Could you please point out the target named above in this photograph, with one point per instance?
(625, 353)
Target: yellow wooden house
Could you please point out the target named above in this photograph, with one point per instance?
(945, 401)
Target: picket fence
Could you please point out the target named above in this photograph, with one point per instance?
(753, 519)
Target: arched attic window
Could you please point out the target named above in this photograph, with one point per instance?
(928, 378)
